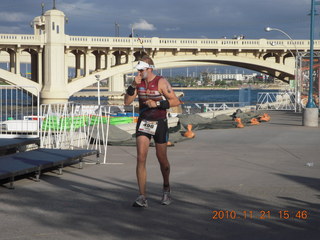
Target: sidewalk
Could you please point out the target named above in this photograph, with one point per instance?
(243, 171)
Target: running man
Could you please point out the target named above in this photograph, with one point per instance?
(155, 97)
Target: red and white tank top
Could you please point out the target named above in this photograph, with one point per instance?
(148, 91)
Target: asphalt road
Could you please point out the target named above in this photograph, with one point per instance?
(251, 183)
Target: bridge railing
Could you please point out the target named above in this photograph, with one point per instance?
(156, 42)
(19, 39)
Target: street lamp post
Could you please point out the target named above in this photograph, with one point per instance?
(311, 103)
(98, 79)
(296, 90)
(311, 112)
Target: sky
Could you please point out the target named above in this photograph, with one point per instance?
(168, 18)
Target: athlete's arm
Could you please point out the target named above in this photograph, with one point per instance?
(128, 98)
(166, 89)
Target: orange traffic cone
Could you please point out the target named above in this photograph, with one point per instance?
(170, 144)
(240, 124)
(189, 133)
(265, 117)
(254, 121)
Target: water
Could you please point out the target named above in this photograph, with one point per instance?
(190, 96)
(249, 97)
(196, 96)
(206, 96)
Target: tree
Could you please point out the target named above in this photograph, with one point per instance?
(217, 82)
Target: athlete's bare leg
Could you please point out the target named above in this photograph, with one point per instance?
(142, 152)
(161, 150)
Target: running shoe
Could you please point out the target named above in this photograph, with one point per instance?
(166, 198)
(141, 201)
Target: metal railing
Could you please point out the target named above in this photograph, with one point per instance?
(276, 101)
(218, 106)
(19, 112)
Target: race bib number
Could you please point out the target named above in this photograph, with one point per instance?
(149, 127)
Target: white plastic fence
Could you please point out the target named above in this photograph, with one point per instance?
(276, 101)
(62, 126)
(101, 124)
(19, 112)
(69, 126)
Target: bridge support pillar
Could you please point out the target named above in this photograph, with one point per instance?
(108, 60)
(12, 68)
(86, 64)
(117, 55)
(78, 65)
(66, 67)
(55, 84)
(34, 66)
(39, 67)
(116, 83)
(130, 56)
(98, 61)
(17, 62)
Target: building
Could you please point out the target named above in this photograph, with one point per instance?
(231, 77)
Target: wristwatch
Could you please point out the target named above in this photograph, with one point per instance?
(158, 103)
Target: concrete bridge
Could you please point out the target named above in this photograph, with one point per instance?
(53, 54)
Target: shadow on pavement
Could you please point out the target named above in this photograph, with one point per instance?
(100, 209)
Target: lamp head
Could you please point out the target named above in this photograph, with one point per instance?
(268, 29)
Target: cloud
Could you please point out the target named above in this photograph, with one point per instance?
(14, 17)
(144, 25)
(172, 29)
(212, 19)
(80, 8)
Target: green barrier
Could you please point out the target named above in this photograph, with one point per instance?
(67, 123)
(120, 120)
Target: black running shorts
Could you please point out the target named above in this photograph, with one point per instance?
(162, 132)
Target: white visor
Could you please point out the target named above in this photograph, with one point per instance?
(143, 65)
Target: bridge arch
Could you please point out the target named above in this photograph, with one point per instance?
(34, 59)
(279, 70)
(10, 58)
(13, 76)
(23, 82)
